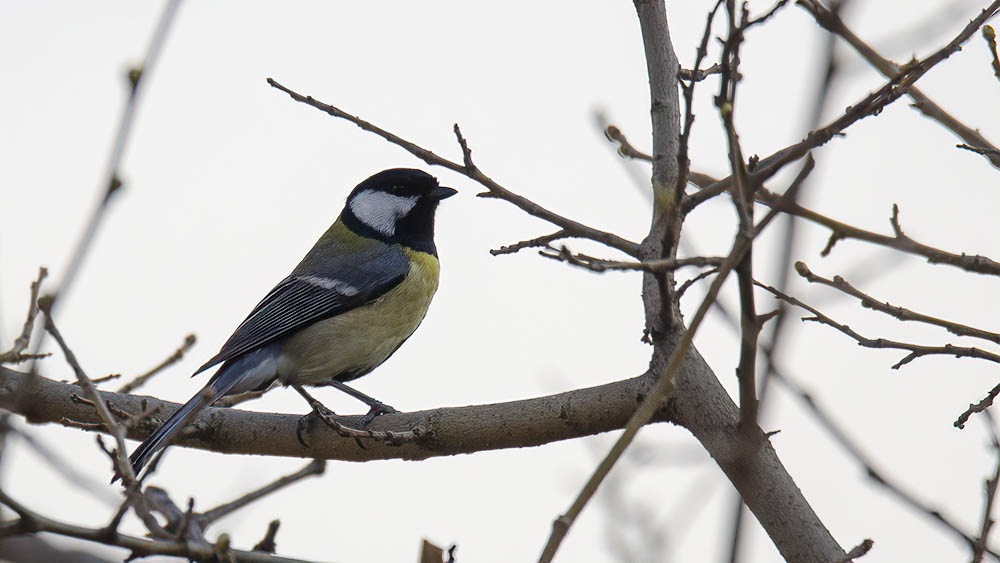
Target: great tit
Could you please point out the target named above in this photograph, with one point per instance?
(350, 303)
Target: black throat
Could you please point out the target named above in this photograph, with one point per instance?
(415, 230)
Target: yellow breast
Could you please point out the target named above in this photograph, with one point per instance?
(353, 343)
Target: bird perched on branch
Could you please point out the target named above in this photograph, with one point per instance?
(350, 303)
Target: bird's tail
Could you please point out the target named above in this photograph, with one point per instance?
(159, 439)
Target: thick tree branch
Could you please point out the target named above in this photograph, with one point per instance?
(445, 431)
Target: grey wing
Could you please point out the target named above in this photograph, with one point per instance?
(344, 282)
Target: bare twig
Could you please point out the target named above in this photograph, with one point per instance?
(900, 313)
(625, 148)
(32, 522)
(59, 464)
(470, 170)
(915, 350)
(14, 355)
(266, 544)
(112, 181)
(840, 435)
(687, 285)
(107, 378)
(688, 92)
(899, 83)
(593, 264)
(859, 550)
(979, 549)
(93, 396)
(842, 231)
(981, 406)
(178, 354)
(979, 150)
(239, 398)
(697, 75)
(832, 23)
(530, 243)
(990, 35)
(119, 458)
(315, 467)
(180, 523)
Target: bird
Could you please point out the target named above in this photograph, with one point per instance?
(356, 296)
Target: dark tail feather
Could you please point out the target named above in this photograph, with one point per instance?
(159, 439)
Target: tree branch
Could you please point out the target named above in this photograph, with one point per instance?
(32, 522)
(471, 171)
(445, 431)
(899, 83)
(832, 23)
(869, 302)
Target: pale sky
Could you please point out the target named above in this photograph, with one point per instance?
(228, 182)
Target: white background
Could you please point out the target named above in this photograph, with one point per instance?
(228, 182)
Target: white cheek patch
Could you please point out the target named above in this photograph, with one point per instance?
(341, 287)
(381, 210)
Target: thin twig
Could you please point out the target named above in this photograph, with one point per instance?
(178, 354)
(470, 170)
(593, 264)
(119, 458)
(832, 23)
(112, 182)
(315, 467)
(979, 150)
(625, 148)
(990, 35)
(915, 350)
(842, 231)
(688, 93)
(859, 550)
(59, 464)
(530, 243)
(840, 435)
(266, 544)
(697, 75)
(900, 313)
(899, 83)
(981, 406)
(14, 355)
(32, 522)
(991, 492)
(687, 285)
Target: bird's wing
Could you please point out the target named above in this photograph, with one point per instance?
(345, 281)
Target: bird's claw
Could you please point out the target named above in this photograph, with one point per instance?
(306, 421)
(375, 411)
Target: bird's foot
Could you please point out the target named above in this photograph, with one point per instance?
(356, 430)
(306, 421)
(374, 411)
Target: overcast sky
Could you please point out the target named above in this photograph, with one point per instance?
(228, 182)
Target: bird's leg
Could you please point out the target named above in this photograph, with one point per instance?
(375, 407)
(305, 421)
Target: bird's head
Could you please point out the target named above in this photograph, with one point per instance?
(396, 205)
